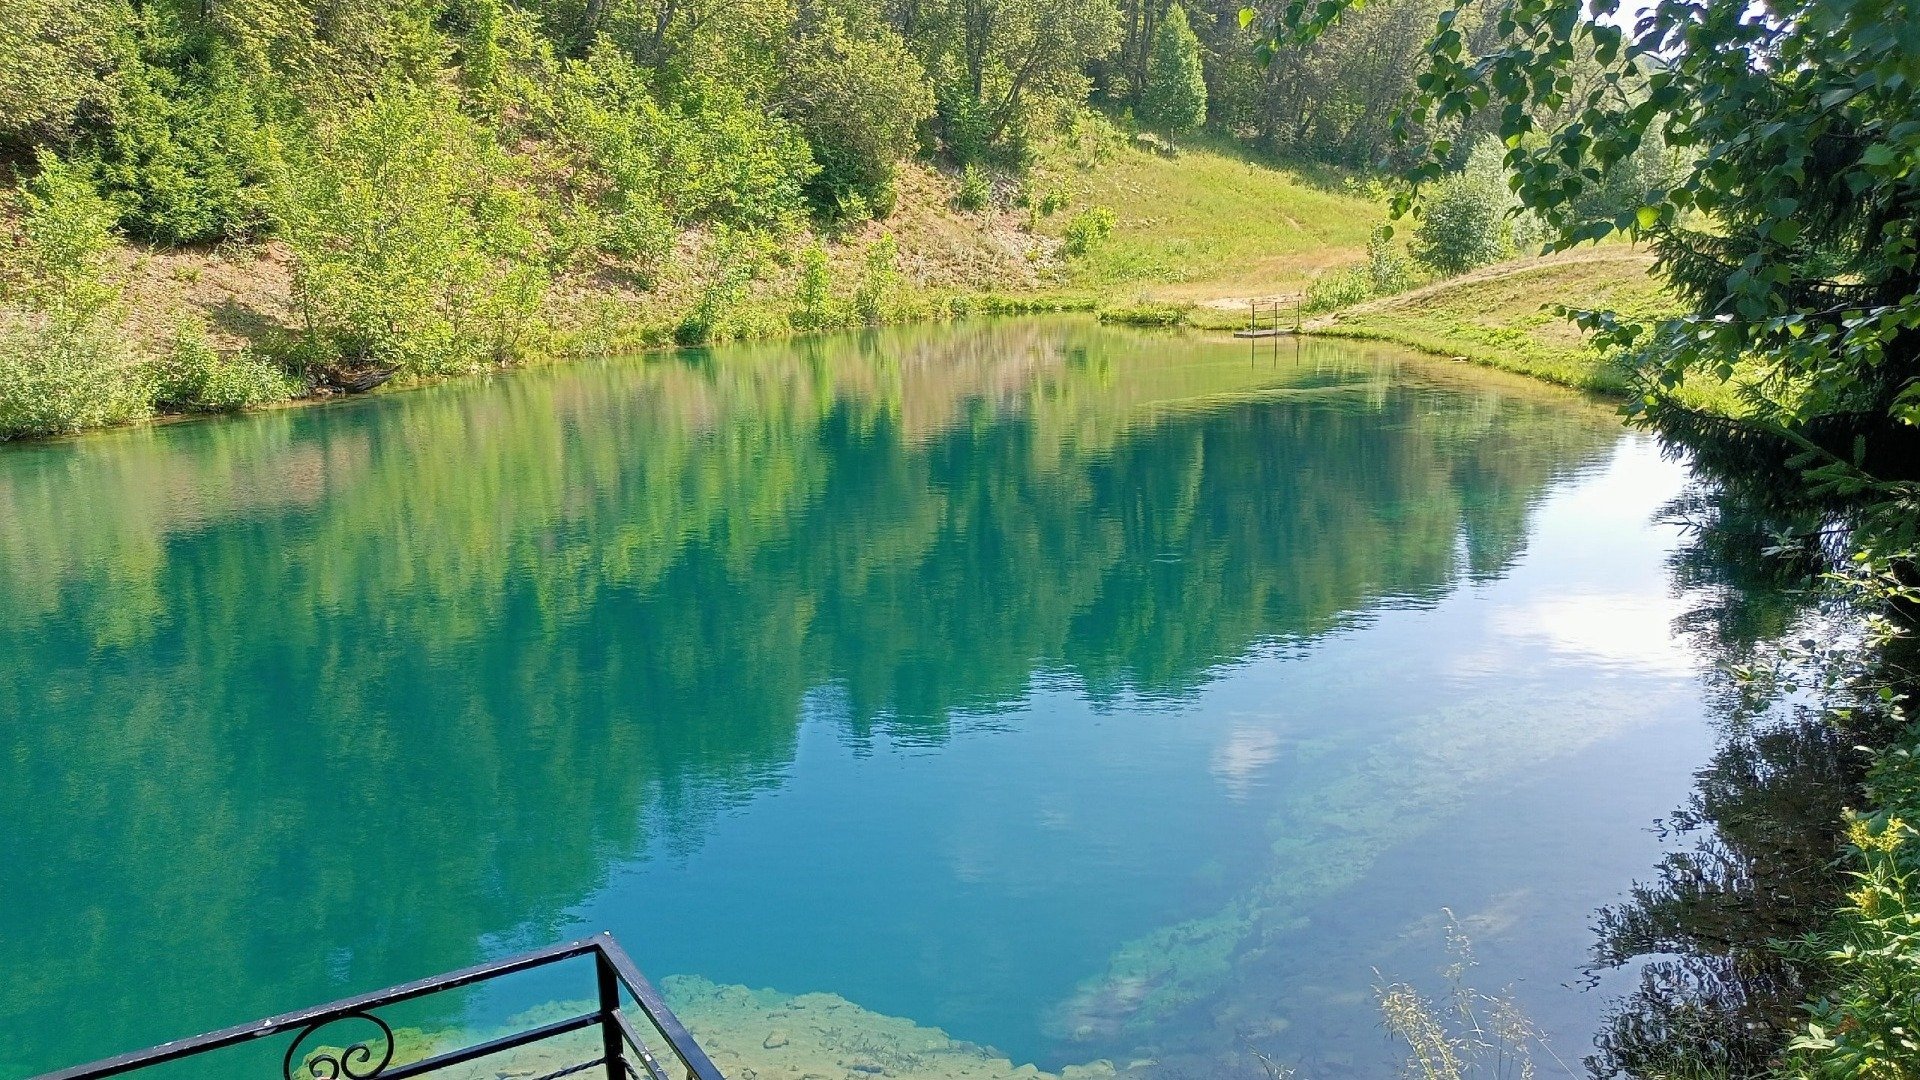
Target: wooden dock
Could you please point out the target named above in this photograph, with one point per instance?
(1270, 326)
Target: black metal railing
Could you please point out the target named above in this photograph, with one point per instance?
(623, 1053)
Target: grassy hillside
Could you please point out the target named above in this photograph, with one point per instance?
(1201, 225)
(1502, 316)
(1190, 236)
(1206, 224)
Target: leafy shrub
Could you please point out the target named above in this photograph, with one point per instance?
(1087, 229)
(857, 99)
(195, 377)
(63, 363)
(58, 377)
(713, 155)
(1389, 269)
(880, 282)
(607, 117)
(58, 259)
(966, 126)
(736, 262)
(730, 162)
(56, 63)
(1642, 178)
(1863, 1025)
(813, 306)
(188, 155)
(1463, 219)
(976, 191)
(410, 247)
(1338, 289)
(1091, 139)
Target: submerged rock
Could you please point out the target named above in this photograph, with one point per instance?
(774, 1036)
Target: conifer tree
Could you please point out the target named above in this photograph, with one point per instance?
(1176, 95)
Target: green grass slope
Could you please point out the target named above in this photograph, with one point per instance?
(1206, 224)
(1502, 316)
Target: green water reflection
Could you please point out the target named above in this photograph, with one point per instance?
(714, 649)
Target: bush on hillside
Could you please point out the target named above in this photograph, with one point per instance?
(188, 155)
(1389, 269)
(195, 377)
(858, 99)
(56, 67)
(713, 156)
(813, 303)
(880, 283)
(411, 249)
(737, 259)
(1087, 230)
(976, 190)
(1463, 221)
(63, 363)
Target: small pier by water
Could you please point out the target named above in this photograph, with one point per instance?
(1265, 318)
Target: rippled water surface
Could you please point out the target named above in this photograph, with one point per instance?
(1080, 693)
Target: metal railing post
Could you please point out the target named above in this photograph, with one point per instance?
(610, 1039)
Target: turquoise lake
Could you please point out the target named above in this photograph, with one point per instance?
(1085, 694)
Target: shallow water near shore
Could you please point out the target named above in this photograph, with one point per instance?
(1029, 696)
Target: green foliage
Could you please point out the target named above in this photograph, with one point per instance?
(880, 282)
(1333, 98)
(1624, 189)
(63, 365)
(1174, 99)
(59, 258)
(736, 262)
(1003, 69)
(976, 189)
(59, 377)
(606, 115)
(194, 377)
(711, 156)
(1868, 1025)
(1389, 270)
(1463, 222)
(411, 247)
(813, 303)
(858, 99)
(1087, 230)
(1338, 289)
(728, 162)
(189, 153)
(56, 59)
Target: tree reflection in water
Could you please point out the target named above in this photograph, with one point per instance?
(1718, 990)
